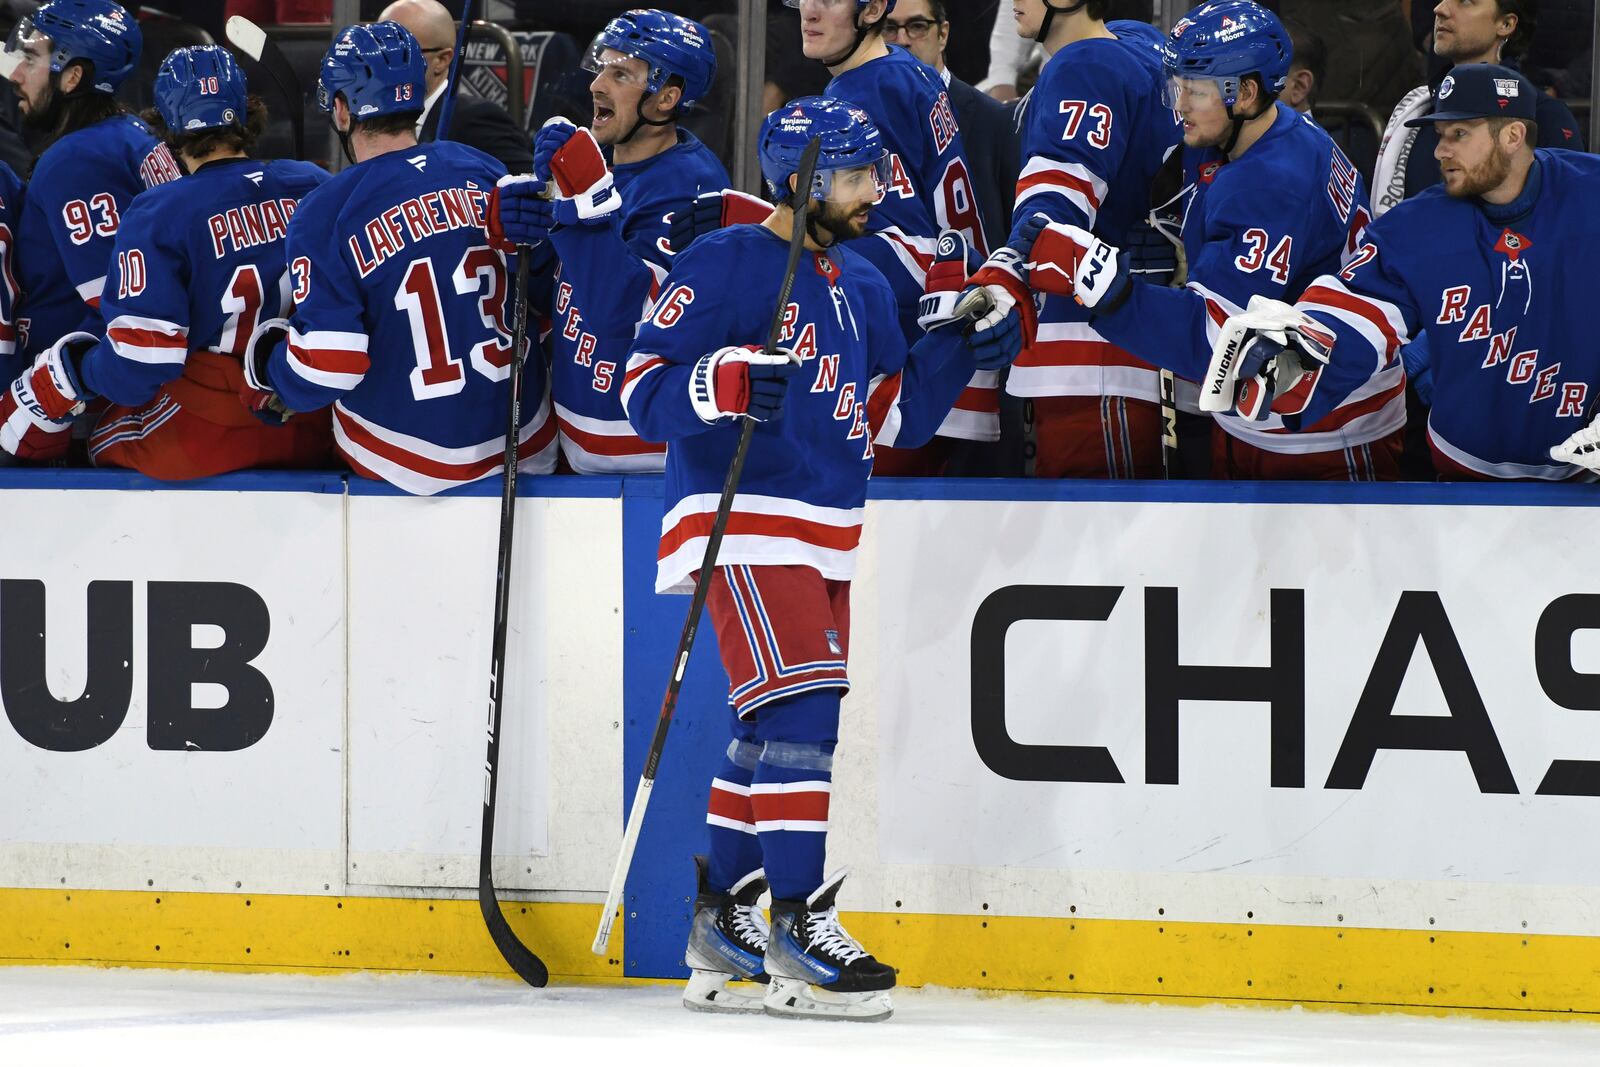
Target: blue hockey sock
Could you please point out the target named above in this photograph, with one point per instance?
(791, 788)
(734, 850)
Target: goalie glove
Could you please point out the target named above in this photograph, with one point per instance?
(713, 211)
(741, 381)
(1581, 449)
(570, 155)
(1267, 359)
(36, 412)
(520, 212)
(257, 394)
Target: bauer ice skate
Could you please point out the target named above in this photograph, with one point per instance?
(818, 970)
(726, 945)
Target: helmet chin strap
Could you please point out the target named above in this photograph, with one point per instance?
(1236, 126)
(1050, 13)
(640, 120)
(861, 35)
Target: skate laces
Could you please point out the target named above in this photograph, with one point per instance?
(824, 931)
(748, 922)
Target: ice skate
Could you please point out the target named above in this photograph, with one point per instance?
(726, 945)
(817, 969)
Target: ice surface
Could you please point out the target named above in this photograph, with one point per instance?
(108, 1018)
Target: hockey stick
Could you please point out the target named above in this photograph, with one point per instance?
(529, 967)
(253, 41)
(447, 106)
(702, 585)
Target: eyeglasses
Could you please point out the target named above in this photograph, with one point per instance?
(915, 29)
(440, 48)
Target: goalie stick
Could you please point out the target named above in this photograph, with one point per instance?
(253, 41)
(691, 625)
(529, 967)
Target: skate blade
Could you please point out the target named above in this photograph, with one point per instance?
(789, 998)
(722, 994)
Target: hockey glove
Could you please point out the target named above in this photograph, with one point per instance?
(1582, 448)
(998, 346)
(744, 381)
(946, 279)
(1001, 284)
(571, 156)
(1071, 261)
(256, 394)
(713, 211)
(520, 212)
(36, 413)
(1419, 367)
(1151, 255)
(1267, 359)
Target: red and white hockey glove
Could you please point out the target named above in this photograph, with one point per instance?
(741, 381)
(257, 394)
(571, 156)
(713, 211)
(36, 413)
(1267, 360)
(520, 212)
(1000, 286)
(1071, 261)
(1582, 448)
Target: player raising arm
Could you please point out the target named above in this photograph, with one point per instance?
(1489, 266)
(1271, 205)
(617, 181)
(844, 384)
(198, 262)
(400, 317)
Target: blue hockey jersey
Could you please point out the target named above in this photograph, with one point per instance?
(805, 482)
(79, 189)
(12, 192)
(607, 279)
(1094, 134)
(401, 322)
(197, 264)
(930, 189)
(1287, 211)
(1503, 295)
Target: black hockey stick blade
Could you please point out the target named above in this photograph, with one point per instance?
(253, 41)
(528, 966)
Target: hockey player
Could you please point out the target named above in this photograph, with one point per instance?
(1489, 266)
(1095, 132)
(1272, 204)
(618, 182)
(844, 384)
(401, 304)
(70, 57)
(929, 183)
(198, 263)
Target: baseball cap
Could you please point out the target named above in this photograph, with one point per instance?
(1481, 91)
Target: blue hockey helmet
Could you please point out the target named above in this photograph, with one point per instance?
(887, 10)
(850, 140)
(669, 45)
(378, 69)
(95, 31)
(1223, 42)
(200, 88)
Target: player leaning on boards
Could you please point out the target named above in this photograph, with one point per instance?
(400, 318)
(1491, 266)
(1094, 134)
(844, 382)
(1271, 205)
(617, 182)
(197, 263)
(70, 56)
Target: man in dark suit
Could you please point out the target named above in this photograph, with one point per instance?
(473, 120)
(988, 129)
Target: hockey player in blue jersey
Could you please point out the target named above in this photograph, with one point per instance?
(844, 384)
(929, 183)
(401, 302)
(197, 264)
(1095, 132)
(71, 55)
(1492, 266)
(618, 182)
(1271, 204)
